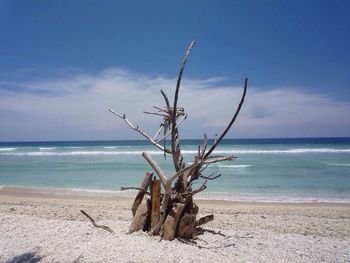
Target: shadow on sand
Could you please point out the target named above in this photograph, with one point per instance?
(29, 257)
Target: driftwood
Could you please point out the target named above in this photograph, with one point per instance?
(186, 225)
(165, 206)
(205, 219)
(171, 222)
(94, 223)
(155, 200)
(141, 193)
(139, 220)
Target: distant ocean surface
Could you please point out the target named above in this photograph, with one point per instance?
(281, 170)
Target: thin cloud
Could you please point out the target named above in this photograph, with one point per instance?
(75, 107)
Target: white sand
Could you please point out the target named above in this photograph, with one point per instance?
(51, 229)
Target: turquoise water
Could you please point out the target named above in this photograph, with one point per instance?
(265, 169)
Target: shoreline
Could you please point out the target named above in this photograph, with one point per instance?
(82, 193)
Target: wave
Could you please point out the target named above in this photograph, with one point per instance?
(234, 166)
(46, 148)
(339, 164)
(59, 191)
(74, 153)
(273, 198)
(75, 147)
(42, 152)
(286, 151)
(110, 147)
(7, 149)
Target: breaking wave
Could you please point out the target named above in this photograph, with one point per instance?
(47, 148)
(339, 164)
(234, 166)
(7, 149)
(53, 151)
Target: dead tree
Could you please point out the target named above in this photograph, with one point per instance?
(165, 206)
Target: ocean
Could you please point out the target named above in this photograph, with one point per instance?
(271, 170)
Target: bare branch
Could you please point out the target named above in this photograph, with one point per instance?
(167, 103)
(140, 131)
(157, 133)
(174, 139)
(231, 122)
(205, 166)
(94, 223)
(200, 189)
(156, 168)
(203, 147)
(182, 67)
(215, 159)
(155, 113)
(161, 110)
(211, 176)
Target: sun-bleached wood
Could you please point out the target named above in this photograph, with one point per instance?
(168, 208)
(141, 193)
(171, 221)
(140, 219)
(107, 228)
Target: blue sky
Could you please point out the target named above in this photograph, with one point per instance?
(63, 63)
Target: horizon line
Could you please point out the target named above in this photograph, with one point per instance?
(199, 139)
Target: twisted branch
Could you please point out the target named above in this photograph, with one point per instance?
(94, 223)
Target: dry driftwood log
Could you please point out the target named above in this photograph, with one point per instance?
(165, 206)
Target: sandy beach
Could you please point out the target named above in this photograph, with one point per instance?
(50, 228)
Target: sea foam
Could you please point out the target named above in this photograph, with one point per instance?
(46, 148)
(49, 151)
(7, 149)
(234, 166)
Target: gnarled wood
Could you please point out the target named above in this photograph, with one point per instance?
(95, 224)
(170, 210)
(186, 226)
(140, 219)
(203, 220)
(140, 194)
(171, 221)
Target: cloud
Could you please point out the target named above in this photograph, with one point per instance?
(75, 107)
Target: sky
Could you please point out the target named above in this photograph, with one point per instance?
(64, 63)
